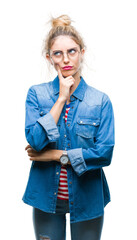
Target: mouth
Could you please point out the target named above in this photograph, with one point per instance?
(67, 68)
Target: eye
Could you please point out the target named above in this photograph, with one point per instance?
(72, 51)
(57, 53)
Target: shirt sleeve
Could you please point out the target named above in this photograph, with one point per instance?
(100, 155)
(39, 130)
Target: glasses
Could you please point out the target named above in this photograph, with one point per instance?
(57, 56)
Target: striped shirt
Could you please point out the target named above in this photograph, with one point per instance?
(63, 183)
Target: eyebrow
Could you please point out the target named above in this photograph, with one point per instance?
(67, 49)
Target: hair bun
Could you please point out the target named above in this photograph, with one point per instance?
(63, 20)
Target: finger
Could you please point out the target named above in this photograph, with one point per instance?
(32, 153)
(31, 150)
(32, 159)
(28, 146)
(59, 72)
(70, 78)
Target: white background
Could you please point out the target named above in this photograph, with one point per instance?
(109, 29)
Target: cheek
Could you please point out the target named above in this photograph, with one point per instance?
(55, 65)
(78, 61)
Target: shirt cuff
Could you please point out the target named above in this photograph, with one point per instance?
(48, 123)
(77, 160)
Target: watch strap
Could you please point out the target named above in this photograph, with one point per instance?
(64, 152)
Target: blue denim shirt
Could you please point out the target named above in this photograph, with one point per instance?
(88, 138)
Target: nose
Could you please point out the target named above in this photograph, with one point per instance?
(66, 59)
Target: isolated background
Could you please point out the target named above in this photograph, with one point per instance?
(109, 29)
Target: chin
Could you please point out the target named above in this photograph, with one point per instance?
(66, 74)
(69, 73)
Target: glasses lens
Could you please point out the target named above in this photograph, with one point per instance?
(72, 52)
(57, 56)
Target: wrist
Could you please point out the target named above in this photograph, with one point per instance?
(64, 159)
(57, 154)
(61, 100)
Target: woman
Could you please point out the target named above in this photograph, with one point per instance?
(70, 130)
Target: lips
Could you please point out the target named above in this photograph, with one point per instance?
(67, 68)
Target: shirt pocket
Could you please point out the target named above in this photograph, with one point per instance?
(86, 128)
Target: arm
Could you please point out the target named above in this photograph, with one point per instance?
(83, 160)
(45, 155)
(41, 130)
(100, 156)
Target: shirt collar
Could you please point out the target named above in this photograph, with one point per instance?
(79, 91)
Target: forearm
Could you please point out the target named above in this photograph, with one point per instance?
(41, 127)
(83, 160)
(57, 109)
(42, 132)
(57, 154)
(45, 155)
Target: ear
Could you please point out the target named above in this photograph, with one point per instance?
(83, 51)
(49, 58)
(82, 54)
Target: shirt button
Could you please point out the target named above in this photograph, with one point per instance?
(68, 144)
(72, 107)
(70, 182)
(68, 125)
(94, 123)
(57, 173)
(41, 113)
(65, 135)
(55, 193)
(81, 122)
(71, 202)
(63, 116)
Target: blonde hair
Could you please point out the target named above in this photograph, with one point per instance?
(61, 26)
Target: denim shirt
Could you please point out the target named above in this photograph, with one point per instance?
(88, 138)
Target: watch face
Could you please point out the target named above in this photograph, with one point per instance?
(64, 159)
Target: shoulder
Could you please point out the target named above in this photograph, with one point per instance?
(40, 89)
(94, 96)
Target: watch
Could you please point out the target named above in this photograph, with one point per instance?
(64, 158)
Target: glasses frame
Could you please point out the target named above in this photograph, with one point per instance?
(63, 52)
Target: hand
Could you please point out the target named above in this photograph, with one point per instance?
(65, 85)
(44, 155)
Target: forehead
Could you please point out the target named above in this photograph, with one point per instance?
(63, 43)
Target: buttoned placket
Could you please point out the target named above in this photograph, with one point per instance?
(66, 146)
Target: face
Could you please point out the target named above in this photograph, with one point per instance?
(65, 52)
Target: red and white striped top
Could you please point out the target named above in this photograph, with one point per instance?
(63, 183)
